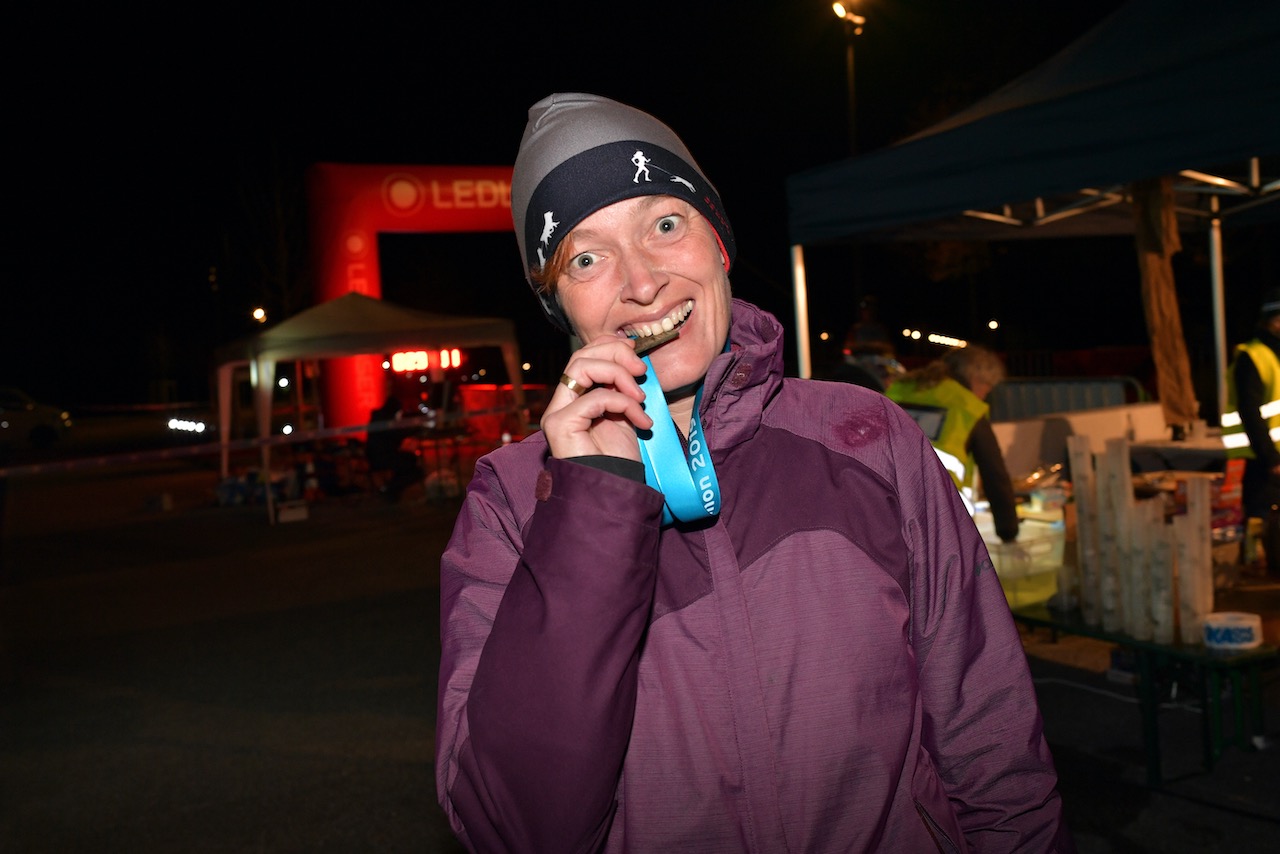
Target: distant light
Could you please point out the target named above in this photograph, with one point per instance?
(482, 372)
(260, 315)
(385, 364)
(845, 14)
(824, 335)
(906, 333)
(287, 429)
(283, 382)
(186, 426)
(947, 340)
(915, 334)
(993, 324)
(422, 378)
(526, 366)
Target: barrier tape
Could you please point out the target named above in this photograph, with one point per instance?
(160, 454)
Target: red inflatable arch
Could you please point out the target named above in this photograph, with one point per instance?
(349, 205)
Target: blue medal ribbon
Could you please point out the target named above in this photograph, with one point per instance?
(688, 484)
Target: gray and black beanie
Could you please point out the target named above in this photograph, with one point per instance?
(581, 153)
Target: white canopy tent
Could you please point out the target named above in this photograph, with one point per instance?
(350, 325)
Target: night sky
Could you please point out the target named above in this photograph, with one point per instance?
(146, 149)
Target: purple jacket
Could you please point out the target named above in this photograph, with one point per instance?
(828, 666)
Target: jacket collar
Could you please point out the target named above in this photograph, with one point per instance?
(742, 382)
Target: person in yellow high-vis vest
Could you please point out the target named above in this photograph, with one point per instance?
(947, 398)
(1251, 424)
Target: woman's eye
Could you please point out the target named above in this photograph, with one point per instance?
(582, 266)
(668, 224)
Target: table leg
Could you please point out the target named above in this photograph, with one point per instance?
(1257, 724)
(1148, 702)
(1214, 710)
(1207, 702)
(1237, 707)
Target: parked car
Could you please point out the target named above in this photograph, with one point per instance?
(25, 422)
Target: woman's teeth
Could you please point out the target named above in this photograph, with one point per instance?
(666, 324)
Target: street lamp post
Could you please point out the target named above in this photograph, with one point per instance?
(852, 28)
(853, 24)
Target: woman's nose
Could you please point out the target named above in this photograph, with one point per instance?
(643, 277)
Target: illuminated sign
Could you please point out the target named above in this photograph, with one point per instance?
(410, 361)
(413, 360)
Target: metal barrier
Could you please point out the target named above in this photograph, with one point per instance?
(1029, 397)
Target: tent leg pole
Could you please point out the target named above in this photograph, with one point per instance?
(262, 374)
(1219, 323)
(802, 311)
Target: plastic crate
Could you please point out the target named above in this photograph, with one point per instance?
(1028, 568)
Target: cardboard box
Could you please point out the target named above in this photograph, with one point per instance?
(291, 511)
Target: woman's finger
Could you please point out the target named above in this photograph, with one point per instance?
(572, 384)
(584, 373)
(603, 421)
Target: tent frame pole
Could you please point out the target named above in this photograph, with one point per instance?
(801, 291)
(1219, 311)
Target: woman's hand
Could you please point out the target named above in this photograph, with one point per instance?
(603, 418)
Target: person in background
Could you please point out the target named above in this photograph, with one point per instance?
(709, 607)
(868, 356)
(1251, 424)
(870, 365)
(867, 329)
(384, 450)
(948, 399)
(846, 371)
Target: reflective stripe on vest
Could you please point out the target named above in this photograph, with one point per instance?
(956, 468)
(1266, 410)
(951, 463)
(1240, 440)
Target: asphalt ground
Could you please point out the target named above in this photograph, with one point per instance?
(182, 676)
